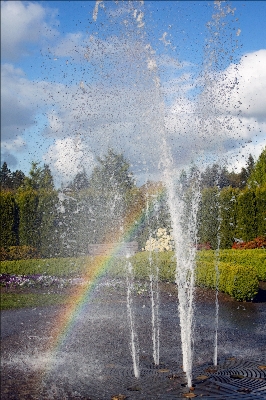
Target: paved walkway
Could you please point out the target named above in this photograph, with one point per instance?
(92, 359)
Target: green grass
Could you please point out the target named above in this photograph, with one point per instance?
(11, 300)
(238, 263)
(60, 267)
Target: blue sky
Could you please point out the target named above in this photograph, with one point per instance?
(81, 76)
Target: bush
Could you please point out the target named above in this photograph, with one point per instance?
(249, 258)
(52, 266)
(257, 243)
(142, 267)
(18, 253)
(164, 260)
(238, 281)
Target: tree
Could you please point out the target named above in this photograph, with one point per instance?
(5, 176)
(246, 228)
(39, 178)
(112, 173)
(80, 182)
(48, 217)
(29, 218)
(258, 173)
(17, 179)
(260, 193)
(109, 185)
(46, 179)
(228, 202)
(208, 221)
(10, 180)
(8, 219)
(214, 175)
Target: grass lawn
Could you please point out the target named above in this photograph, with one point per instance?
(19, 299)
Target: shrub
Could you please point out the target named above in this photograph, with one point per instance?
(238, 281)
(52, 266)
(163, 242)
(249, 258)
(18, 253)
(257, 243)
(144, 263)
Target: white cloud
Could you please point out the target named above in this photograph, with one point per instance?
(71, 46)
(250, 92)
(123, 109)
(67, 157)
(17, 109)
(15, 145)
(22, 24)
(229, 114)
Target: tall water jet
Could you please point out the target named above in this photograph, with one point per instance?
(133, 334)
(139, 68)
(185, 238)
(217, 277)
(154, 288)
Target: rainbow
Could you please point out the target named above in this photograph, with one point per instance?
(80, 296)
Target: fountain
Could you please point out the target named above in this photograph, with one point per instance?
(166, 341)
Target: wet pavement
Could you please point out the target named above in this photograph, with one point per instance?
(90, 358)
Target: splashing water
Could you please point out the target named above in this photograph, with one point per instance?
(139, 71)
(154, 289)
(217, 276)
(154, 292)
(133, 333)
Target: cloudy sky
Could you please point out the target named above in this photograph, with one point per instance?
(81, 76)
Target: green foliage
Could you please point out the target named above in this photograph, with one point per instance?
(61, 267)
(8, 219)
(246, 228)
(208, 222)
(10, 180)
(109, 185)
(39, 178)
(258, 174)
(228, 201)
(255, 258)
(29, 218)
(47, 215)
(239, 270)
(260, 193)
(18, 253)
(144, 263)
(11, 300)
(239, 281)
(80, 182)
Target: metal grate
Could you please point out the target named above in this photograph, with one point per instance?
(231, 379)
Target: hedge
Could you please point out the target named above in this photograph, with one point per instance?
(239, 281)
(239, 270)
(18, 253)
(52, 266)
(249, 258)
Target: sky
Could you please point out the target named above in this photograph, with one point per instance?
(79, 77)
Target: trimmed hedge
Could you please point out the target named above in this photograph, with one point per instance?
(238, 281)
(18, 253)
(239, 270)
(165, 261)
(52, 266)
(249, 258)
